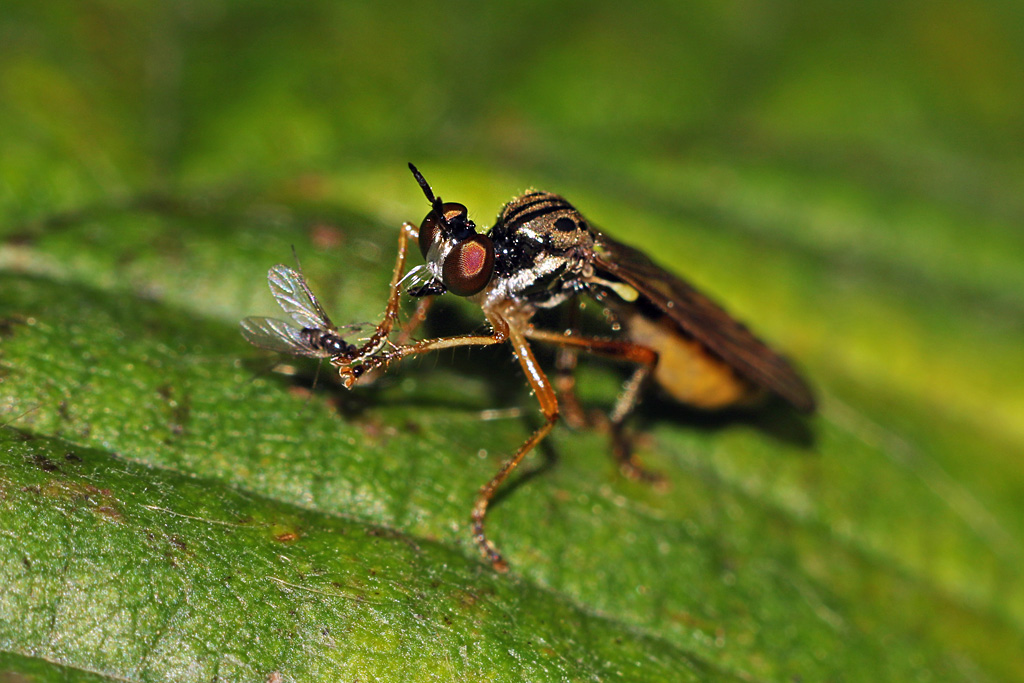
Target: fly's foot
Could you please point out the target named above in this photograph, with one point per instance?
(629, 464)
(631, 469)
(487, 548)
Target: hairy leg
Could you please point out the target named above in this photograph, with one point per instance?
(646, 359)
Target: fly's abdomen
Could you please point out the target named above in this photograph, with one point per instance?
(685, 369)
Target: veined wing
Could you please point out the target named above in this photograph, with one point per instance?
(314, 335)
(297, 299)
(277, 335)
(699, 317)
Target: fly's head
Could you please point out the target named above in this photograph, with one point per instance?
(459, 259)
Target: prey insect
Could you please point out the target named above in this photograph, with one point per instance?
(313, 333)
(540, 254)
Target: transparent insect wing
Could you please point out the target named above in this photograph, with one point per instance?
(277, 335)
(297, 300)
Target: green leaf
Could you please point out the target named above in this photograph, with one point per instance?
(173, 508)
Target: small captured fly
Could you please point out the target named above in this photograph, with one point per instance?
(542, 253)
(313, 333)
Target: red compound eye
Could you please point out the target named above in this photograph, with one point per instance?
(430, 230)
(456, 217)
(469, 266)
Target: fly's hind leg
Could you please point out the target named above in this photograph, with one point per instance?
(622, 442)
(566, 358)
(646, 359)
(545, 394)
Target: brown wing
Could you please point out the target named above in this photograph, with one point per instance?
(702, 319)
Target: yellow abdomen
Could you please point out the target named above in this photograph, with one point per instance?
(686, 370)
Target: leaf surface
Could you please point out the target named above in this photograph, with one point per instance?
(173, 508)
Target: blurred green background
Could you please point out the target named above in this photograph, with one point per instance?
(849, 178)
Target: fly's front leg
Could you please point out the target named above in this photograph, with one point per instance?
(408, 232)
(378, 340)
(405, 333)
(499, 334)
(545, 394)
(415, 320)
(646, 359)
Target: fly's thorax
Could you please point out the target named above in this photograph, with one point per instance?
(542, 245)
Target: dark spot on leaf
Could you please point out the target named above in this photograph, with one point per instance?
(71, 456)
(20, 435)
(376, 432)
(178, 408)
(7, 327)
(465, 599)
(177, 542)
(15, 677)
(44, 463)
(299, 392)
(325, 236)
(21, 239)
(27, 563)
(109, 512)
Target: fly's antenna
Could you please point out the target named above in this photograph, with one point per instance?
(435, 202)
